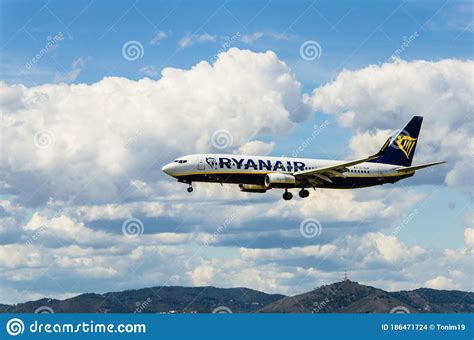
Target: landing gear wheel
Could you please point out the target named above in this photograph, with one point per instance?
(287, 196)
(190, 189)
(303, 193)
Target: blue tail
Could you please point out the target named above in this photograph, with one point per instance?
(402, 148)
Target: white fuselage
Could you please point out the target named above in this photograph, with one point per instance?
(240, 169)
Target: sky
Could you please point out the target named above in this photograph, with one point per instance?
(96, 96)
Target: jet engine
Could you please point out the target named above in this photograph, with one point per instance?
(278, 180)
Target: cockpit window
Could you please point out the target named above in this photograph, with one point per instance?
(180, 161)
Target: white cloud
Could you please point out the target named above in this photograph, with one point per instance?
(283, 36)
(191, 39)
(293, 270)
(149, 71)
(202, 275)
(256, 147)
(440, 282)
(389, 248)
(250, 38)
(77, 67)
(379, 98)
(64, 228)
(118, 211)
(253, 37)
(287, 254)
(110, 132)
(469, 237)
(160, 35)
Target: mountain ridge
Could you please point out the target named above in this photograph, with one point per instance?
(340, 297)
(351, 297)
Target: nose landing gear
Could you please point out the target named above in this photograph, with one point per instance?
(190, 188)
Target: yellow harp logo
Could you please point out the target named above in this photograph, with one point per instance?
(406, 144)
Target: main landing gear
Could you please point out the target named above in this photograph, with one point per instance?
(287, 195)
(303, 193)
(190, 188)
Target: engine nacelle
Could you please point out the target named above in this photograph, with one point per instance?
(278, 180)
(252, 188)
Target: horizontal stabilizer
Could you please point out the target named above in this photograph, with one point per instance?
(418, 167)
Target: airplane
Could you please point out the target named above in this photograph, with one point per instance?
(259, 174)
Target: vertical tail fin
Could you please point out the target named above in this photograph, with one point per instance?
(402, 148)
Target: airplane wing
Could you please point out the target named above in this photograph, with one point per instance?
(417, 167)
(336, 170)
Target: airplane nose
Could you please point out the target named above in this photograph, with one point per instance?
(168, 169)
